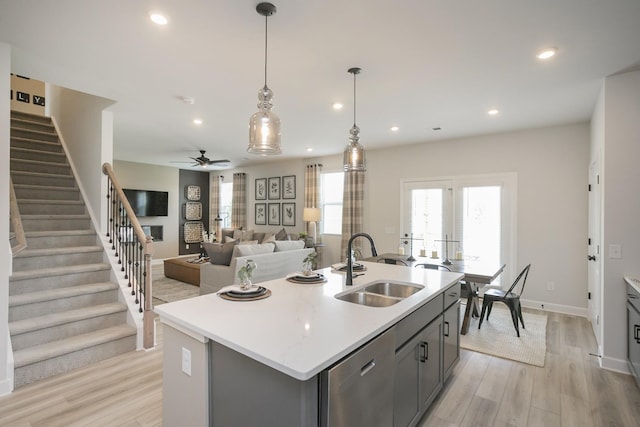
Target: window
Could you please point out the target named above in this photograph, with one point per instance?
(226, 201)
(475, 214)
(331, 200)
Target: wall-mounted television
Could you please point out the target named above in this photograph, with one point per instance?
(148, 203)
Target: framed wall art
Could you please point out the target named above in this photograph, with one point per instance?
(274, 188)
(289, 187)
(274, 213)
(261, 189)
(261, 214)
(289, 214)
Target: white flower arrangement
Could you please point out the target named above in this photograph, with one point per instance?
(208, 238)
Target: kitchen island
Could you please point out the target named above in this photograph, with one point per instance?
(265, 362)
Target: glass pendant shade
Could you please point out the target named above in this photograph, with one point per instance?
(353, 159)
(264, 127)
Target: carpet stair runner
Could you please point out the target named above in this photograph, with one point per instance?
(64, 311)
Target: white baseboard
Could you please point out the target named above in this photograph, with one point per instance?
(556, 308)
(614, 364)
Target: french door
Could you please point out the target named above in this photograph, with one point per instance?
(472, 218)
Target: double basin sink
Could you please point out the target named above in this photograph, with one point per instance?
(380, 293)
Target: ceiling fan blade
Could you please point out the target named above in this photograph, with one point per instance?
(212, 162)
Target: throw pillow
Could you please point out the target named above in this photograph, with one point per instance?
(247, 242)
(288, 245)
(282, 235)
(226, 232)
(243, 235)
(258, 236)
(268, 237)
(247, 250)
(219, 253)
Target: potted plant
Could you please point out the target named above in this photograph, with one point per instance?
(245, 273)
(309, 263)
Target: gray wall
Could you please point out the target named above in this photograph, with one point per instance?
(141, 176)
(618, 141)
(6, 369)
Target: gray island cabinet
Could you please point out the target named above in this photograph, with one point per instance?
(303, 357)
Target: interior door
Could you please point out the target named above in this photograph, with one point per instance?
(594, 261)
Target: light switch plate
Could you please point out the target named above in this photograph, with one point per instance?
(615, 251)
(186, 361)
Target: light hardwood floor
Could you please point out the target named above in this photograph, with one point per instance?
(483, 390)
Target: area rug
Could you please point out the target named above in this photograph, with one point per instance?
(170, 290)
(497, 336)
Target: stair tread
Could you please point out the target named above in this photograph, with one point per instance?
(58, 271)
(16, 126)
(43, 187)
(53, 349)
(54, 216)
(42, 174)
(27, 253)
(32, 150)
(59, 293)
(50, 201)
(39, 162)
(18, 327)
(59, 233)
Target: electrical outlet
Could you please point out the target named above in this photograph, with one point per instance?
(551, 286)
(186, 246)
(186, 361)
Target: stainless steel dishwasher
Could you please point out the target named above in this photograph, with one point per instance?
(358, 391)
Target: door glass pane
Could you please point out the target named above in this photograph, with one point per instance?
(480, 223)
(426, 218)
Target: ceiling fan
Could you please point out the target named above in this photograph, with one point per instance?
(204, 161)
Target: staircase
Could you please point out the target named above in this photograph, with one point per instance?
(64, 311)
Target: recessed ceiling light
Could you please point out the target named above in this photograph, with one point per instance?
(309, 149)
(493, 112)
(158, 19)
(547, 53)
(394, 128)
(197, 121)
(337, 106)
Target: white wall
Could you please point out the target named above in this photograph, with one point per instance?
(621, 208)
(6, 367)
(87, 131)
(552, 170)
(141, 176)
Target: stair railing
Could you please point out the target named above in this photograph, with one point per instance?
(16, 222)
(133, 249)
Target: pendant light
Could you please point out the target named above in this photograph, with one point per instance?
(264, 126)
(354, 152)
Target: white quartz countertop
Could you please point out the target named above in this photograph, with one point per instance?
(302, 329)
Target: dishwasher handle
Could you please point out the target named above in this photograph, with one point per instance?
(367, 367)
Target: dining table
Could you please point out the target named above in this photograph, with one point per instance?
(476, 273)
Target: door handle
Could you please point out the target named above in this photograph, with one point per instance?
(591, 257)
(446, 329)
(636, 333)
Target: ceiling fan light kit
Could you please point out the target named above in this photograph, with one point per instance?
(203, 161)
(264, 125)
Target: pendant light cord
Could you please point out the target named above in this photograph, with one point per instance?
(266, 20)
(354, 99)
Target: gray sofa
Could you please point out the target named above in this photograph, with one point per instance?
(284, 259)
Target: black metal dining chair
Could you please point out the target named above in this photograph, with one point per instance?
(433, 266)
(509, 297)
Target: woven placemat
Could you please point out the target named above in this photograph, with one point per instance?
(260, 296)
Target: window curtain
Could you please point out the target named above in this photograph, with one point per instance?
(214, 199)
(312, 190)
(352, 209)
(239, 201)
